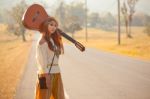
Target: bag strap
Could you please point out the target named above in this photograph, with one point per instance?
(51, 63)
(54, 46)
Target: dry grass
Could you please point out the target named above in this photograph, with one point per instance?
(14, 52)
(13, 57)
(138, 47)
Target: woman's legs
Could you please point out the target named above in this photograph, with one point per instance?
(57, 89)
(42, 93)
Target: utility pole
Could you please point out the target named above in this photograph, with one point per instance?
(86, 34)
(119, 22)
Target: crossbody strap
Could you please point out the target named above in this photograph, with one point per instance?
(53, 56)
(51, 63)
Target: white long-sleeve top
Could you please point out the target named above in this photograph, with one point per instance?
(44, 58)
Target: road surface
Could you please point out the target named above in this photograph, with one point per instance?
(93, 74)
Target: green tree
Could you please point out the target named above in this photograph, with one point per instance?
(147, 29)
(16, 13)
(125, 14)
(108, 21)
(131, 5)
(147, 25)
(78, 11)
(1, 16)
(94, 19)
(61, 14)
(70, 17)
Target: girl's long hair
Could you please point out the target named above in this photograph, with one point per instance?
(55, 36)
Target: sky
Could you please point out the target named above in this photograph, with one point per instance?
(111, 5)
(93, 5)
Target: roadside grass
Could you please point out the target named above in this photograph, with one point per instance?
(13, 57)
(137, 47)
(14, 53)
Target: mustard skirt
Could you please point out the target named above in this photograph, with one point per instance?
(56, 91)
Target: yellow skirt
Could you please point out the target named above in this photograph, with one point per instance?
(56, 91)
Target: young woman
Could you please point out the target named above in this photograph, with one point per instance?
(50, 43)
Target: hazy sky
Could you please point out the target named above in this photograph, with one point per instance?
(107, 5)
(93, 5)
(111, 5)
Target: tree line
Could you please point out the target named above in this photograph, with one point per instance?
(71, 18)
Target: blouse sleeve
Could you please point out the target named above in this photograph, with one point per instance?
(42, 56)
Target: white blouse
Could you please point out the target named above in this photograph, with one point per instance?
(44, 58)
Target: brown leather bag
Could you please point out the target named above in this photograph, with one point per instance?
(42, 82)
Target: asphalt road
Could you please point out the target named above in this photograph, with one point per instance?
(93, 75)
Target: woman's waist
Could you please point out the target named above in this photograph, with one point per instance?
(49, 65)
(50, 69)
